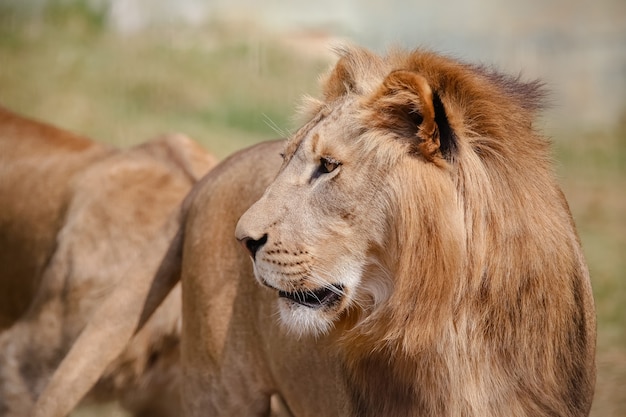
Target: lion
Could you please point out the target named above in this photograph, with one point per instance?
(412, 255)
(74, 215)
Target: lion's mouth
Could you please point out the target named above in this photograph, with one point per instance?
(322, 297)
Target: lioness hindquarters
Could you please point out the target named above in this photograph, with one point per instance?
(91, 213)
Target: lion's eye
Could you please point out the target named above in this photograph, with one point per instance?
(328, 165)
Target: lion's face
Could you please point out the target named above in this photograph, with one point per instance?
(327, 233)
(314, 233)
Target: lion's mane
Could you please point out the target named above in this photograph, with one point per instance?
(491, 300)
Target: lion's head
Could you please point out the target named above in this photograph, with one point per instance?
(411, 175)
(417, 211)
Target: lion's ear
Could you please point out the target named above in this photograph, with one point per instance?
(406, 104)
(353, 73)
(339, 81)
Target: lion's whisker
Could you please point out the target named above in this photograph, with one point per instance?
(272, 125)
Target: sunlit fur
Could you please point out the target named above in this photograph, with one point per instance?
(487, 310)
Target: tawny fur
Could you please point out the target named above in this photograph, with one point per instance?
(74, 215)
(419, 189)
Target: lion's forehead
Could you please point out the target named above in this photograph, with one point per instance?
(332, 126)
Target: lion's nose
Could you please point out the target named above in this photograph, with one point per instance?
(253, 245)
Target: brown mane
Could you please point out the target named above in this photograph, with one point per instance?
(482, 308)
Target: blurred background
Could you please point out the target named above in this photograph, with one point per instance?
(229, 73)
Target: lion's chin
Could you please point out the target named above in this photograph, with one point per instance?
(310, 313)
(323, 297)
(304, 321)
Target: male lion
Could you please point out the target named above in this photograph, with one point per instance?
(415, 254)
(74, 215)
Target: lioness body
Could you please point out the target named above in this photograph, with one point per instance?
(243, 331)
(35, 160)
(74, 214)
(415, 254)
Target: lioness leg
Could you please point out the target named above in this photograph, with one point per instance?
(32, 348)
(29, 352)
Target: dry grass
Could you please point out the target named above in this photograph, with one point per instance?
(227, 88)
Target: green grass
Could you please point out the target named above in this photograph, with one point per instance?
(226, 87)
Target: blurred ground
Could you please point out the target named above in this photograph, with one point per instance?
(230, 85)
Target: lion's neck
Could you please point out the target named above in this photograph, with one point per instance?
(389, 383)
(440, 378)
